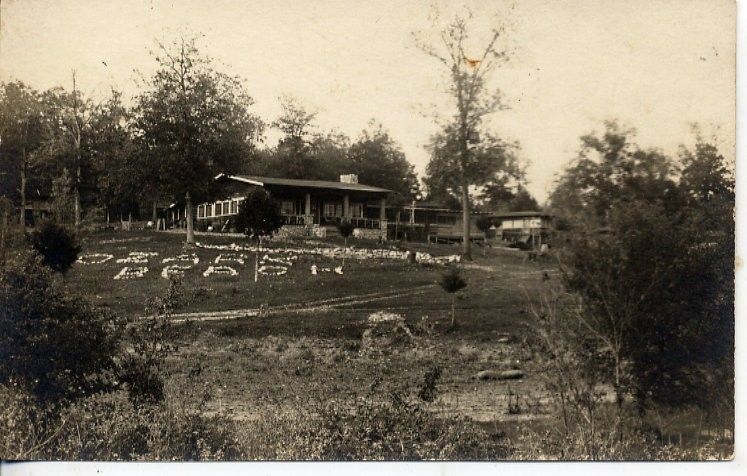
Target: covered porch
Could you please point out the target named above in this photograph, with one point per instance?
(305, 202)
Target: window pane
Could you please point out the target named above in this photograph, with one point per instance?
(286, 207)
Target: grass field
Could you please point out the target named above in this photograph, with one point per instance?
(269, 353)
(266, 363)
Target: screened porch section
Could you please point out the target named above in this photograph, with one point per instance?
(303, 202)
(329, 212)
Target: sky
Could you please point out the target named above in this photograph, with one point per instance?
(655, 65)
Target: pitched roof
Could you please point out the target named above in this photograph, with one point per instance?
(522, 214)
(326, 184)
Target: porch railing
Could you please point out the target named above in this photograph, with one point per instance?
(294, 220)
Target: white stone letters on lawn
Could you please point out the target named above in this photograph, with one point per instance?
(191, 257)
(338, 252)
(230, 258)
(224, 270)
(272, 261)
(175, 270)
(275, 266)
(137, 257)
(316, 270)
(130, 272)
(94, 258)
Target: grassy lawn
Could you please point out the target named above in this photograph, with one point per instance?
(281, 362)
(313, 340)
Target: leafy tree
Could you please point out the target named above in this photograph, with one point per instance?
(611, 167)
(465, 158)
(378, 160)
(57, 246)
(293, 154)
(122, 175)
(501, 198)
(657, 290)
(259, 215)
(21, 134)
(325, 158)
(63, 202)
(452, 282)
(68, 132)
(193, 122)
(54, 345)
(330, 152)
(493, 168)
(484, 223)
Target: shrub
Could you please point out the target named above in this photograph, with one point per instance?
(451, 282)
(428, 390)
(394, 429)
(56, 245)
(55, 345)
(657, 289)
(574, 363)
(150, 340)
(109, 426)
(346, 229)
(259, 215)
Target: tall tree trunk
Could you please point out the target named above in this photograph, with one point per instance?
(453, 308)
(22, 218)
(76, 140)
(190, 227)
(77, 194)
(466, 242)
(3, 234)
(155, 212)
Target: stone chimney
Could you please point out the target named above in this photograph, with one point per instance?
(349, 178)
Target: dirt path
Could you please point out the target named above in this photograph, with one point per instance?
(311, 306)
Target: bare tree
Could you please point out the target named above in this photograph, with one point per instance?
(468, 76)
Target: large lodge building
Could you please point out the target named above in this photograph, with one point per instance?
(316, 207)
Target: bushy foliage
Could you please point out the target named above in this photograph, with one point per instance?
(452, 281)
(54, 345)
(652, 287)
(484, 223)
(149, 341)
(392, 429)
(56, 244)
(429, 389)
(593, 415)
(637, 445)
(657, 288)
(109, 426)
(259, 215)
(346, 229)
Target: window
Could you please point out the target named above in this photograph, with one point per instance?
(200, 211)
(332, 210)
(356, 210)
(234, 207)
(287, 208)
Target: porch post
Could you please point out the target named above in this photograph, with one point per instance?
(346, 207)
(308, 219)
(382, 218)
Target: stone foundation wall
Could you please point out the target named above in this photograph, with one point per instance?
(300, 231)
(367, 233)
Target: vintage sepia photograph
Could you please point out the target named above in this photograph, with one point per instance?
(391, 230)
